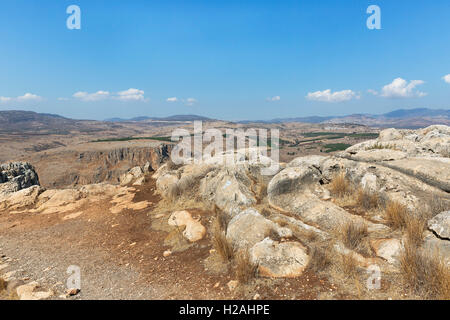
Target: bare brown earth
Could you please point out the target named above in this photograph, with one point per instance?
(121, 257)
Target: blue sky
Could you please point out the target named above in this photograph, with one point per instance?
(224, 59)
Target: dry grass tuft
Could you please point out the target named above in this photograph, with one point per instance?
(173, 192)
(348, 265)
(436, 205)
(354, 236)
(219, 238)
(425, 273)
(321, 257)
(368, 199)
(245, 269)
(340, 186)
(173, 166)
(3, 284)
(415, 229)
(380, 146)
(396, 214)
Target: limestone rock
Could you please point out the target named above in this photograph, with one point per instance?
(293, 179)
(440, 224)
(388, 249)
(274, 259)
(29, 292)
(249, 227)
(194, 231)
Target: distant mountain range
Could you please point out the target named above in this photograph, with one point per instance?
(187, 117)
(402, 118)
(28, 121)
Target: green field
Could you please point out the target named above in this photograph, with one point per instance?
(332, 147)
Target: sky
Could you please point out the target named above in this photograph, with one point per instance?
(233, 60)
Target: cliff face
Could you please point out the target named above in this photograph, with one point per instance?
(106, 164)
(15, 176)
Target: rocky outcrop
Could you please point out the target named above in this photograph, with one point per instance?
(98, 162)
(16, 176)
(440, 225)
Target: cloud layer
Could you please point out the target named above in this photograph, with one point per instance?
(329, 96)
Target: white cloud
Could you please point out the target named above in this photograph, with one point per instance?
(374, 92)
(25, 98)
(97, 96)
(131, 95)
(190, 101)
(400, 88)
(29, 97)
(328, 96)
(173, 99)
(446, 78)
(126, 95)
(275, 98)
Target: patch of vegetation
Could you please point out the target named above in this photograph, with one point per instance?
(340, 186)
(219, 239)
(321, 257)
(3, 284)
(354, 236)
(380, 146)
(425, 273)
(396, 214)
(245, 269)
(336, 147)
(368, 199)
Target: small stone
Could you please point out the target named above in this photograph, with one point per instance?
(217, 285)
(257, 296)
(167, 253)
(232, 284)
(72, 292)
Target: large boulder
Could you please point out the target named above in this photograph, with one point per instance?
(293, 179)
(249, 227)
(229, 188)
(275, 259)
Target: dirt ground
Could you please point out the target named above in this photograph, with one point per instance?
(121, 257)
